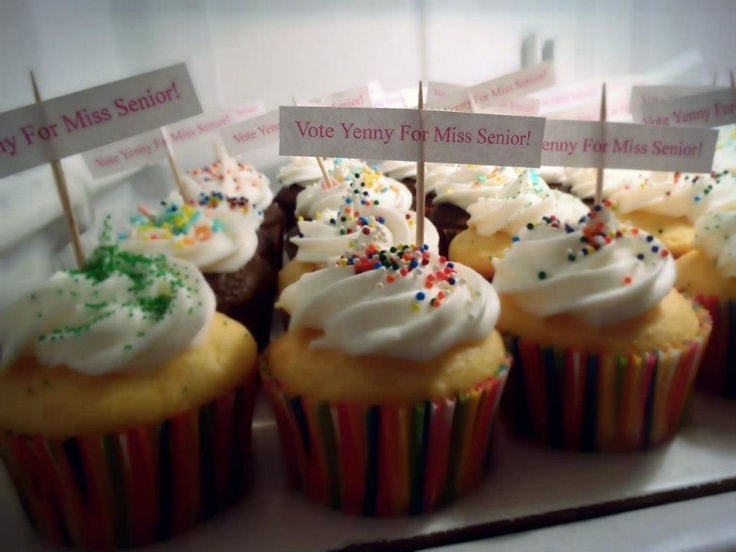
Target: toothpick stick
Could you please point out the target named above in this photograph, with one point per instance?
(320, 160)
(599, 170)
(63, 191)
(419, 187)
(733, 79)
(172, 163)
(715, 77)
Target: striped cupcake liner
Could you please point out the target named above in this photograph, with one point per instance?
(605, 402)
(387, 460)
(717, 372)
(138, 486)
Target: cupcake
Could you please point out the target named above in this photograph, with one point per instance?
(358, 223)
(127, 401)
(221, 241)
(605, 350)
(495, 220)
(464, 187)
(708, 273)
(240, 183)
(376, 419)
(321, 201)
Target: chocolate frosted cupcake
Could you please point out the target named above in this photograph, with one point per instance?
(127, 402)
(222, 243)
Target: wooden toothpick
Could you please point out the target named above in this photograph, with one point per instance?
(733, 78)
(63, 191)
(419, 187)
(173, 164)
(599, 170)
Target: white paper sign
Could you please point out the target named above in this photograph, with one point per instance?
(77, 122)
(526, 107)
(514, 85)
(711, 109)
(438, 90)
(628, 146)
(251, 134)
(355, 97)
(149, 147)
(460, 101)
(650, 94)
(402, 134)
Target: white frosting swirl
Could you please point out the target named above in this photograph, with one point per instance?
(215, 240)
(303, 171)
(523, 201)
(715, 234)
(724, 158)
(380, 311)
(324, 241)
(322, 199)
(468, 184)
(598, 271)
(231, 178)
(124, 312)
(581, 182)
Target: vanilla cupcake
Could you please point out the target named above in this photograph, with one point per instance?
(322, 201)
(127, 401)
(452, 197)
(708, 274)
(222, 242)
(358, 223)
(494, 220)
(377, 419)
(605, 350)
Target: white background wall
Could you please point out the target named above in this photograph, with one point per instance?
(243, 50)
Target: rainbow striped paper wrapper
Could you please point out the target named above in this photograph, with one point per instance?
(717, 372)
(138, 486)
(601, 402)
(387, 460)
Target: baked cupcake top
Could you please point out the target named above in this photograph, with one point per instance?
(122, 312)
(232, 179)
(217, 235)
(524, 200)
(599, 271)
(324, 199)
(469, 183)
(403, 302)
(303, 171)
